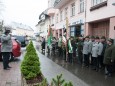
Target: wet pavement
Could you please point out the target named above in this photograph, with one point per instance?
(11, 77)
(52, 66)
(79, 75)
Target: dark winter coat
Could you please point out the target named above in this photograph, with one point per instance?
(80, 47)
(109, 55)
(43, 44)
(104, 47)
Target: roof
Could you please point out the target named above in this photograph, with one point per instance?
(21, 26)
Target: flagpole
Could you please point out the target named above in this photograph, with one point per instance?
(66, 38)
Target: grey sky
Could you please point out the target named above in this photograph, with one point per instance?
(24, 11)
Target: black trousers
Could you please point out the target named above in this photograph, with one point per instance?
(64, 54)
(95, 61)
(70, 57)
(101, 60)
(60, 51)
(86, 59)
(6, 56)
(109, 68)
(91, 59)
(80, 57)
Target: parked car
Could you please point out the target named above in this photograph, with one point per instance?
(16, 49)
(21, 39)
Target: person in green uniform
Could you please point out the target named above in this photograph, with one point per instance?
(80, 49)
(109, 57)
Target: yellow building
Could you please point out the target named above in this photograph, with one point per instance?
(22, 30)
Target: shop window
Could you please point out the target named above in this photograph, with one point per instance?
(72, 31)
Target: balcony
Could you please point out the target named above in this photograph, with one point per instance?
(51, 12)
(102, 4)
(59, 3)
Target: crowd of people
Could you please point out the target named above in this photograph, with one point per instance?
(90, 51)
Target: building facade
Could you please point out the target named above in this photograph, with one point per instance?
(43, 24)
(100, 18)
(20, 29)
(86, 17)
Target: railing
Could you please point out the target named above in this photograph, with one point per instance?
(102, 4)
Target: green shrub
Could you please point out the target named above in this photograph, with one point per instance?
(58, 81)
(31, 75)
(30, 66)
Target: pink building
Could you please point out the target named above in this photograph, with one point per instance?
(100, 18)
(86, 17)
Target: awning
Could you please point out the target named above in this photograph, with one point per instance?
(76, 25)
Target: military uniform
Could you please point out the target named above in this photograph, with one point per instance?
(109, 58)
(79, 51)
(95, 50)
(100, 57)
(86, 53)
(90, 50)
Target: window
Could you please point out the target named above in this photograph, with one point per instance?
(81, 6)
(66, 12)
(57, 18)
(52, 19)
(73, 9)
(61, 16)
(72, 31)
(95, 2)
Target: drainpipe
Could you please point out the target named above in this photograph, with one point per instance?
(114, 26)
(85, 15)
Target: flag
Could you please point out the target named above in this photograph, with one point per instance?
(64, 39)
(67, 36)
(70, 46)
(50, 35)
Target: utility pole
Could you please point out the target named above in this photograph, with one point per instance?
(1, 26)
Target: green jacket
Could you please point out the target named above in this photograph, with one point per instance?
(109, 54)
(60, 42)
(80, 47)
